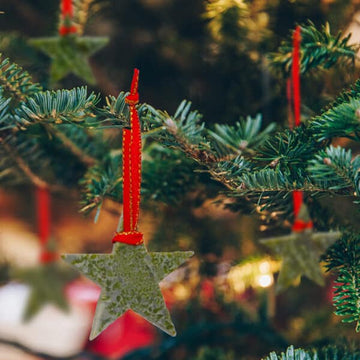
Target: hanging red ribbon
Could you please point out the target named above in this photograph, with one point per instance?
(299, 225)
(43, 217)
(66, 17)
(295, 72)
(289, 101)
(131, 171)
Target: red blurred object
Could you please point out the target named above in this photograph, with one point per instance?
(44, 219)
(67, 14)
(126, 334)
(66, 30)
(296, 74)
(67, 8)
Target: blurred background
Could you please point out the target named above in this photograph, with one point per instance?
(223, 303)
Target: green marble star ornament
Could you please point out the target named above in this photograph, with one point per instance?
(129, 279)
(47, 286)
(300, 252)
(70, 54)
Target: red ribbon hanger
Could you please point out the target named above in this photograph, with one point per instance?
(298, 196)
(295, 72)
(131, 148)
(43, 217)
(67, 27)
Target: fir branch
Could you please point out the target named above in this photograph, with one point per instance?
(334, 352)
(334, 169)
(21, 164)
(344, 258)
(289, 150)
(245, 137)
(15, 81)
(100, 181)
(116, 110)
(318, 49)
(79, 142)
(352, 93)
(266, 180)
(57, 107)
(182, 131)
(5, 118)
(342, 120)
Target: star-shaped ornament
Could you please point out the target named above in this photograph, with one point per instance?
(70, 54)
(129, 278)
(47, 286)
(300, 252)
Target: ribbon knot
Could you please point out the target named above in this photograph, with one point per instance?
(132, 99)
(130, 237)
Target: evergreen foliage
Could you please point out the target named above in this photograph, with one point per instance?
(344, 258)
(16, 82)
(326, 353)
(250, 164)
(319, 49)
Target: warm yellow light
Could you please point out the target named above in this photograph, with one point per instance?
(265, 280)
(181, 292)
(264, 267)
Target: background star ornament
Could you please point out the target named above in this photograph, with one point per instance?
(70, 54)
(129, 278)
(47, 282)
(300, 252)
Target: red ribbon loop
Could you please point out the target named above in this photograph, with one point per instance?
(131, 170)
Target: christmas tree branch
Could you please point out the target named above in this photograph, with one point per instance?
(15, 81)
(335, 169)
(36, 180)
(328, 352)
(72, 146)
(344, 258)
(57, 107)
(318, 49)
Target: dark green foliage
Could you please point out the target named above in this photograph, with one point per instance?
(339, 121)
(16, 82)
(243, 137)
(208, 353)
(58, 107)
(116, 109)
(319, 49)
(325, 353)
(184, 128)
(344, 258)
(167, 175)
(288, 151)
(334, 169)
(101, 180)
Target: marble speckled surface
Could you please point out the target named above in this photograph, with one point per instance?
(129, 278)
